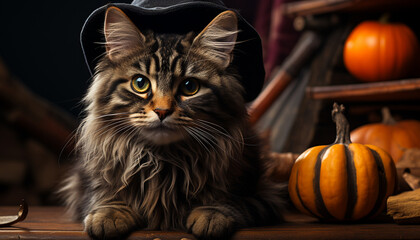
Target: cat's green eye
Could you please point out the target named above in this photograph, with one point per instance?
(189, 87)
(140, 84)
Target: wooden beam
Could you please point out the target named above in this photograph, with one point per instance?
(404, 89)
(34, 115)
(308, 43)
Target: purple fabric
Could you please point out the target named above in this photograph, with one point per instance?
(277, 33)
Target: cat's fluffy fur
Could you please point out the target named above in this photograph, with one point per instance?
(198, 167)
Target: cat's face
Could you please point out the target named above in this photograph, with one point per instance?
(166, 88)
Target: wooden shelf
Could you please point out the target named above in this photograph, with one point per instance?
(400, 90)
(310, 7)
(52, 223)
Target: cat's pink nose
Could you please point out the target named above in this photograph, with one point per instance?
(162, 113)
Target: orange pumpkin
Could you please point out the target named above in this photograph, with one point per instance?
(378, 51)
(343, 181)
(390, 135)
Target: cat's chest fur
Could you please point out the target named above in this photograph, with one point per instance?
(167, 183)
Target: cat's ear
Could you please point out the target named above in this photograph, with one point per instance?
(121, 35)
(218, 38)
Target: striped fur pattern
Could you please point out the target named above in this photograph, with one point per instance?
(168, 157)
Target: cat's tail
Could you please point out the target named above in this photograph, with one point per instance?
(71, 194)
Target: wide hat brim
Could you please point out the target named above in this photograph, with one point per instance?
(182, 18)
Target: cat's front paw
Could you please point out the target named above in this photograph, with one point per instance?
(211, 223)
(110, 223)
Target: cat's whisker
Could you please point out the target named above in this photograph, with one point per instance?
(125, 128)
(139, 122)
(209, 138)
(121, 130)
(109, 136)
(224, 130)
(111, 123)
(197, 138)
(205, 137)
(110, 127)
(72, 137)
(192, 134)
(212, 131)
(111, 120)
(112, 115)
(203, 124)
(132, 132)
(216, 128)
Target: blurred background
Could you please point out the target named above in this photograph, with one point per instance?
(43, 77)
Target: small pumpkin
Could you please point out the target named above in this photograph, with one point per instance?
(392, 136)
(379, 51)
(343, 181)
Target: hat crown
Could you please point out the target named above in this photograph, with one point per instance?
(181, 17)
(153, 4)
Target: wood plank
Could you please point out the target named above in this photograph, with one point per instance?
(406, 89)
(303, 51)
(316, 6)
(53, 223)
(313, 7)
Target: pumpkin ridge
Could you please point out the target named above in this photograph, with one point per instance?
(398, 60)
(299, 197)
(382, 185)
(351, 183)
(379, 53)
(319, 201)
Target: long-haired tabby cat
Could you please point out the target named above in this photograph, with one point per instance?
(165, 143)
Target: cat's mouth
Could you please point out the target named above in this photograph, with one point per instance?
(162, 134)
(161, 127)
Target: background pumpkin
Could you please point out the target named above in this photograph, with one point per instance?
(379, 51)
(390, 135)
(343, 181)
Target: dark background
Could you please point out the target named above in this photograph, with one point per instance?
(39, 43)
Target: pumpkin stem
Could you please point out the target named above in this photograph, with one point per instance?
(387, 117)
(342, 125)
(385, 18)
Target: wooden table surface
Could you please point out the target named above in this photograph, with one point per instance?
(52, 223)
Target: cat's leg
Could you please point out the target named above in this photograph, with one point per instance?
(114, 220)
(212, 222)
(222, 220)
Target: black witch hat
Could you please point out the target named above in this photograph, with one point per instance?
(181, 16)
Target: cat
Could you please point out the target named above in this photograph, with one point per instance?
(165, 143)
